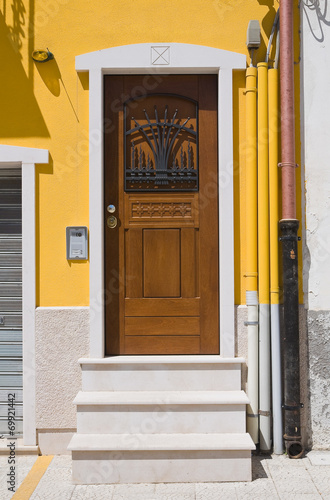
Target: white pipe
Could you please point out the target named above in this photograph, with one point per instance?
(277, 53)
(276, 379)
(272, 34)
(264, 378)
(252, 378)
(263, 260)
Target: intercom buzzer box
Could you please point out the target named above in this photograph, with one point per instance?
(77, 243)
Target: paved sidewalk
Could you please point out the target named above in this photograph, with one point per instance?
(273, 477)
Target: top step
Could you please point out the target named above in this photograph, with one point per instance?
(161, 373)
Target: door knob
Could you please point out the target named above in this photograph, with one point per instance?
(111, 209)
(112, 221)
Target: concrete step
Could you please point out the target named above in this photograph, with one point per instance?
(161, 373)
(161, 412)
(156, 458)
(161, 442)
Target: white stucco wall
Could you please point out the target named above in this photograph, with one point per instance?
(315, 107)
(316, 126)
(62, 337)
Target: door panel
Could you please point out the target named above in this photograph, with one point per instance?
(161, 175)
(161, 307)
(188, 262)
(161, 258)
(134, 262)
(162, 344)
(162, 325)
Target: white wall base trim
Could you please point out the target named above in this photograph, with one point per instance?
(55, 441)
(20, 448)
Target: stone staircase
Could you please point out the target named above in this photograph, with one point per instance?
(155, 419)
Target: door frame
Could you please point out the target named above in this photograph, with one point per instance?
(27, 158)
(155, 60)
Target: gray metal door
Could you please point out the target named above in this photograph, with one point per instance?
(10, 296)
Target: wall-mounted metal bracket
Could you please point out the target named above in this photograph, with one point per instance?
(293, 407)
(289, 238)
(264, 413)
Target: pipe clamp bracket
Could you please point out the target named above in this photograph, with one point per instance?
(264, 413)
(293, 407)
(247, 323)
(289, 237)
(291, 438)
(288, 164)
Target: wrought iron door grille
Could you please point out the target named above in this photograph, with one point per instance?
(161, 153)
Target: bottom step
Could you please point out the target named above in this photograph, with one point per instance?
(160, 458)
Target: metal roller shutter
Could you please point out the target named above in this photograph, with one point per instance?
(11, 296)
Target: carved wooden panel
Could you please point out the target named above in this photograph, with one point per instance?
(161, 210)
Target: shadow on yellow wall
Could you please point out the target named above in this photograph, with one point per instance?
(21, 115)
(269, 17)
(51, 76)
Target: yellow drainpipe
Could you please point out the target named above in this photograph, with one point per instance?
(263, 260)
(251, 274)
(251, 181)
(274, 260)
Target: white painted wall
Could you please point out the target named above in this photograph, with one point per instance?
(315, 99)
(316, 131)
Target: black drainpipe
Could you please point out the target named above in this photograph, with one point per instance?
(291, 405)
(289, 229)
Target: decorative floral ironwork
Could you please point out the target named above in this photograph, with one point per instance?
(162, 155)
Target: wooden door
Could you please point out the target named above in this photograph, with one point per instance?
(161, 259)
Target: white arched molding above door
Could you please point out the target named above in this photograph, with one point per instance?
(155, 60)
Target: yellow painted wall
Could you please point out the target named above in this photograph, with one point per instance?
(46, 106)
